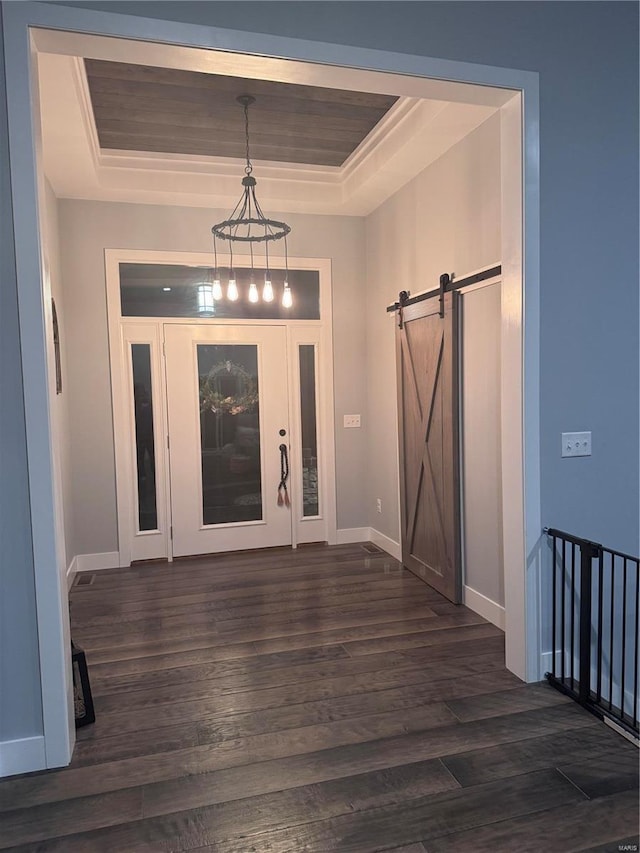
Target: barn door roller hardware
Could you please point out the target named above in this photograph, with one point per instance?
(403, 298)
(447, 283)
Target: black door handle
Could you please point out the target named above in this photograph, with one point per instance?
(283, 494)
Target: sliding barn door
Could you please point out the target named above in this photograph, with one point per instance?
(426, 349)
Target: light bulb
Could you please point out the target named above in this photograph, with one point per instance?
(253, 292)
(267, 292)
(232, 290)
(217, 289)
(287, 298)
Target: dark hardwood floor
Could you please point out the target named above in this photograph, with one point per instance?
(314, 701)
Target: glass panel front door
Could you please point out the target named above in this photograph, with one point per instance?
(227, 403)
(229, 433)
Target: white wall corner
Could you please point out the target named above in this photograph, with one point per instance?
(386, 543)
(72, 568)
(484, 607)
(23, 755)
(95, 562)
(348, 535)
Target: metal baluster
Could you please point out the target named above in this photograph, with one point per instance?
(553, 611)
(587, 553)
(573, 609)
(611, 639)
(635, 655)
(600, 605)
(624, 633)
(562, 581)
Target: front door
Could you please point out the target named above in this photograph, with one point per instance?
(427, 410)
(227, 403)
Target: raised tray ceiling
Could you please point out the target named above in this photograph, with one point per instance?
(143, 108)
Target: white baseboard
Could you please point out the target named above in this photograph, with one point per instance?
(348, 535)
(95, 562)
(484, 606)
(625, 734)
(72, 568)
(546, 662)
(387, 544)
(352, 534)
(22, 755)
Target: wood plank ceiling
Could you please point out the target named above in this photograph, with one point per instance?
(142, 108)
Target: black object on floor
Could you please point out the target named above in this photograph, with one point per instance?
(82, 699)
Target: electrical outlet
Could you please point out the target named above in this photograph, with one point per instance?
(351, 421)
(576, 444)
(378, 504)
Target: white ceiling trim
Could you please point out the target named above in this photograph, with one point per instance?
(413, 134)
(81, 85)
(248, 65)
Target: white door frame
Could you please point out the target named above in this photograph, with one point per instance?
(319, 332)
(479, 603)
(520, 261)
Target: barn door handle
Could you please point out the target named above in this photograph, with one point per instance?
(283, 494)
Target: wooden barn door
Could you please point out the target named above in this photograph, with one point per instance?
(426, 348)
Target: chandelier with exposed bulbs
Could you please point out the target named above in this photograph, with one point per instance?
(248, 224)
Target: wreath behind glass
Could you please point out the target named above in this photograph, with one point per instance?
(214, 399)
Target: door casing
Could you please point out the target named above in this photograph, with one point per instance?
(123, 330)
(520, 260)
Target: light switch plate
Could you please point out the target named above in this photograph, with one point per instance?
(351, 421)
(576, 444)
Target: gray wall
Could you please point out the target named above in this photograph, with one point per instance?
(587, 57)
(59, 402)
(86, 229)
(446, 220)
(480, 443)
(20, 697)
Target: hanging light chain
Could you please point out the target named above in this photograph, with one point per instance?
(246, 102)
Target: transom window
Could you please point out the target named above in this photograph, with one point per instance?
(168, 290)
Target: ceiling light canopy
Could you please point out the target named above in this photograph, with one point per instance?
(248, 224)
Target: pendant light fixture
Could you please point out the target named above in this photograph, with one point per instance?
(248, 224)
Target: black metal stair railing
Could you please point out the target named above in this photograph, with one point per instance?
(594, 627)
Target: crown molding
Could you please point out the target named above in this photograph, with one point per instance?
(81, 84)
(413, 134)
